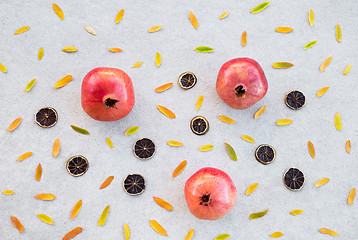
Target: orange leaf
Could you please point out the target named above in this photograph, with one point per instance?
(119, 16)
(158, 228)
(348, 146)
(244, 39)
(14, 124)
(58, 11)
(325, 64)
(45, 196)
(193, 20)
(166, 111)
(179, 168)
(155, 28)
(17, 224)
(56, 148)
(107, 182)
(38, 173)
(163, 87)
(351, 196)
(260, 112)
(189, 235)
(24, 156)
(22, 30)
(76, 209)
(73, 233)
(284, 29)
(163, 203)
(115, 50)
(63, 81)
(311, 149)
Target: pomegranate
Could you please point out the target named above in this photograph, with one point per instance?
(107, 94)
(210, 193)
(241, 83)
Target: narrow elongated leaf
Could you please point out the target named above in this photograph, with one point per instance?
(40, 54)
(328, 232)
(109, 142)
(90, 30)
(163, 204)
(276, 234)
(107, 182)
(204, 49)
(206, 148)
(338, 33)
(2, 68)
(348, 69)
(310, 44)
(231, 152)
(127, 232)
(63, 81)
(155, 28)
(284, 29)
(115, 50)
(24, 156)
(325, 64)
(248, 138)
(103, 217)
(69, 49)
(193, 20)
(322, 91)
(222, 16)
(222, 236)
(30, 85)
(166, 111)
(80, 130)
(131, 130)
(73, 233)
(158, 228)
(244, 39)
(226, 119)
(199, 102)
(260, 7)
(8, 192)
(21, 30)
(14, 124)
(56, 148)
(311, 149)
(158, 59)
(260, 112)
(38, 173)
(351, 196)
(348, 146)
(283, 65)
(17, 224)
(311, 17)
(179, 169)
(189, 235)
(119, 16)
(58, 11)
(296, 212)
(45, 196)
(283, 122)
(251, 189)
(338, 121)
(163, 87)
(174, 143)
(137, 65)
(76, 209)
(258, 215)
(45, 218)
(321, 182)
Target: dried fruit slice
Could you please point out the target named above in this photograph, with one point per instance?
(251, 189)
(73, 233)
(295, 100)
(46, 117)
(158, 228)
(258, 215)
(134, 184)
(144, 148)
(179, 169)
(187, 80)
(163, 204)
(265, 154)
(77, 165)
(76, 209)
(14, 124)
(17, 224)
(294, 179)
(199, 125)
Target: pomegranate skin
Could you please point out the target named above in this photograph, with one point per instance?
(244, 72)
(101, 84)
(222, 192)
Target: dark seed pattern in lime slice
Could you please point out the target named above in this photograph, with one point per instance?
(265, 154)
(295, 100)
(134, 184)
(294, 179)
(144, 148)
(46, 117)
(77, 166)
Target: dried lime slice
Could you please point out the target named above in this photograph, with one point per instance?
(295, 100)
(77, 165)
(46, 117)
(144, 148)
(294, 179)
(134, 184)
(199, 125)
(265, 154)
(187, 80)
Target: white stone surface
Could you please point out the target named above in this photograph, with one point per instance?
(324, 207)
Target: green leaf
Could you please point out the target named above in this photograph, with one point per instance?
(338, 33)
(80, 130)
(258, 215)
(260, 7)
(103, 217)
(45, 219)
(30, 85)
(310, 44)
(282, 65)
(231, 152)
(131, 130)
(222, 236)
(203, 49)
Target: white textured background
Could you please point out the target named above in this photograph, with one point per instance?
(324, 207)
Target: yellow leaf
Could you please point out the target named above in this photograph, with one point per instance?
(30, 85)
(310, 44)
(322, 91)
(338, 33)
(283, 122)
(119, 16)
(206, 148)
(282, 65)
(348, 69)
(226, 119)
(137, 65)
(58, 11)
(193, 20)
(222, 236)
(45, 196)
(174, 143)
(40, 53)
(63, 81)
(14, 124)
(76, 209)
(276, 234)
(231, 152)
(107, 182)
(103, 217)
(325, 64)
(251, 189)
(155, 28)
(179, 169)
(189, 235)
(24, 156)
(131, 130)
(22, 30)
(348, 146)
(115, 50)
(163, 203)
(158, 228)
(321, 182)
(258, 215)
(163, 87)
(127, 232)
(158, 59)
(311, 17)
(351, 196)
(260, 112)
(222, 16)
(296, 212)
(90, 30)
(338, 121)
(248, 138)
(166, 111)
(109, 142)
(199, 102)
(56, 147)
(17, 224)
(38, 173)
(45, 218)
(8, 192)
(69, 49)
(73, 233)
(311, 150)
(284, 29)
(328, 232)
(244, 39)
(2, 68)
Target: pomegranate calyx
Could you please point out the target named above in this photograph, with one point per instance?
(111, 103)
(205, 199)
(240, 91)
